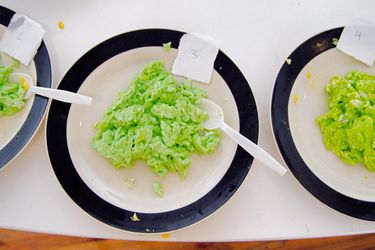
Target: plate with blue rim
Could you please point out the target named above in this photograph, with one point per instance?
(18, 129)
(97, 187)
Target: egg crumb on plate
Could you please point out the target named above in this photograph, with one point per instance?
(135, 217)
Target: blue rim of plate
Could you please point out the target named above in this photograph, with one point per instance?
(114, 216)
(39, 106)
(279, 115)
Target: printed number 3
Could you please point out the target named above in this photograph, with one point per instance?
(194, 53)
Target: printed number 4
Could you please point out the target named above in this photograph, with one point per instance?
(194, 53)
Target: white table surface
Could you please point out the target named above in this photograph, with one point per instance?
(258, 36)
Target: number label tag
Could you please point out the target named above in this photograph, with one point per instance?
(22, 38)
(196, 56)
(358, 40)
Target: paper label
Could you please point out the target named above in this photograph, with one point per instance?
(196, 56)
(358, 40)
(22, 38)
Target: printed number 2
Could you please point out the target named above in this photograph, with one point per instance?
(194, 53)
(19, 37)
(358, 35)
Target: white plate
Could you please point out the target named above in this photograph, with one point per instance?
(17, 130)
(297, 101)
(101, 190)
(354, 181)
(103, 84)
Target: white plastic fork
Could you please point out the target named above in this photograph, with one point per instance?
(57, 94)
(216, 120)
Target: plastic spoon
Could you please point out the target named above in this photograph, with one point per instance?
(216, 120)
(57, 94)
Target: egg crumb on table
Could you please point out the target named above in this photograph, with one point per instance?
(61, 25)
(165, 235)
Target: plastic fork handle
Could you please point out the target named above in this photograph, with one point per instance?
(62, 95)
(253, 149)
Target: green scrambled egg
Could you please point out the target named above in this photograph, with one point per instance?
(11, 94)
(348, 127)
(156, 119)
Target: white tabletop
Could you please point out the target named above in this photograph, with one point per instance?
(258, 36)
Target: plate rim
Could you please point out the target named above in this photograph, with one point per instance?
(283, 85)
(39, 107)
(150, 222)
